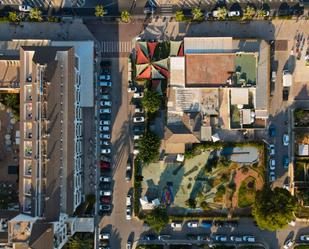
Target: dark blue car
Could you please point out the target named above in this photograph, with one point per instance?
(272, 131)
(206, 224)
(286, 162)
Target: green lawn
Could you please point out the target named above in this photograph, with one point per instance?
(245, 64)
(302, 247)
(246, 193)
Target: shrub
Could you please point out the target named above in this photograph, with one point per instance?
(191, 203)
(149, 146)
(99, 11)
(125, 16)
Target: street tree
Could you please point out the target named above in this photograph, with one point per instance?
(13, 17)
(149, 146)
(221, 13)
(99, 11)
(197, 14)
(261, 13)
(249, 13)
(179, 16)
(151, 101)
(35, 15)
(126, 16)
(274, 209)
(157, 219)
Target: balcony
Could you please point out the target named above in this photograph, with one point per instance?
(28, 93)
(27, 205)
(27, 149)
(28, 111)
(27, 187)
(29, 79)
(27, 130)
(27, 167)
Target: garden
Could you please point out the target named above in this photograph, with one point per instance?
(301, 117)
(210, 180)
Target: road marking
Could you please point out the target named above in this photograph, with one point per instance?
(116, 46)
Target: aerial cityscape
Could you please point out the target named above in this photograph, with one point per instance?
(154, 124)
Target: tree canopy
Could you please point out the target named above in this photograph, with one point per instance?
(249, 13)
(149, 146)
(179, 16)
(35, 15)
(99, 11)
(151, 101)
(125, 16)
(13, 17)
(157, 219)
(197, 14)
(274, 209)
(221, 13)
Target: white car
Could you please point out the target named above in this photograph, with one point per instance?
(24, 8)
(128, 214)
(105, 83)
(288, 244)
(105, 151)
(103, 128)
(304, 238)
(192, 224)
(104, 236)
(136, 137)
(233, 13)
(138, 119)
(105, 122)
(105, 136)
(105, 110)
(221, 238)
(215, 13)
(135, 151)
(272, 164)
(248, 238)
(105, 143)
(105, 193)
(271, 149)
(176, 224)
(286, 139)
(138, 95)
(139, 110)
(272, 176)
(105, 77)
(105, 96)
(105, 103)
(132, 89)
(128, 200)
(129, 245)
(236, 238)
(105, 179)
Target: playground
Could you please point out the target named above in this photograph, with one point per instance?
(208, 181)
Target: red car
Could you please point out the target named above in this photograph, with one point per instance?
(105, 165)
(106, 199)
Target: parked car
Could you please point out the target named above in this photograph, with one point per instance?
(105, 96)
(105, 193)
(136, 137)
(138, 95)
(104, 236)
(176, 224)
(135, 151)
(105, 136)
(231, 223)
(128, 200)
(132, 89)
(234, 13)
(106, 199)
(304, 238)
(215, 13)
(218, 223)
(271, 149)
(129, 245)
(105, 83)
(192, 236)
(105, 122)
(105, 179)
(138, 119)
(128, 172)
(105, 165)
(24, 8)
(248, 238)
(288, 244)
(106, 151)
(105, 185)
(105, 143)
(222, 238)
(236, 238)
(105, 103)
(149, 237)
(105, 158)
(272, 131)
(164, 237)
(105, 77)
(203, 238)
(128, 213)
(138, 129)
(103, 128)
(192, 224)
(272, 164)
(206, 224)
(105, 208)
(286, 162)
(139, 110)
(286, 139)
(272, 176)
(105, 111)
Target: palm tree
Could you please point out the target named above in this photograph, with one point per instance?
(179, 16)
(222, 13)
(99, 11)
(249, 13)
(125, 16)
(13, 17)
(261, 13)
(197, 14)
(35, 15)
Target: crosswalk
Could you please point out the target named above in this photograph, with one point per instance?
(116, 46)
(194, 3)
(166, 9)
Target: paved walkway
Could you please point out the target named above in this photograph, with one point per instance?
(239, 177)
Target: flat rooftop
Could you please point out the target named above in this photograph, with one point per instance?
(214, 69)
